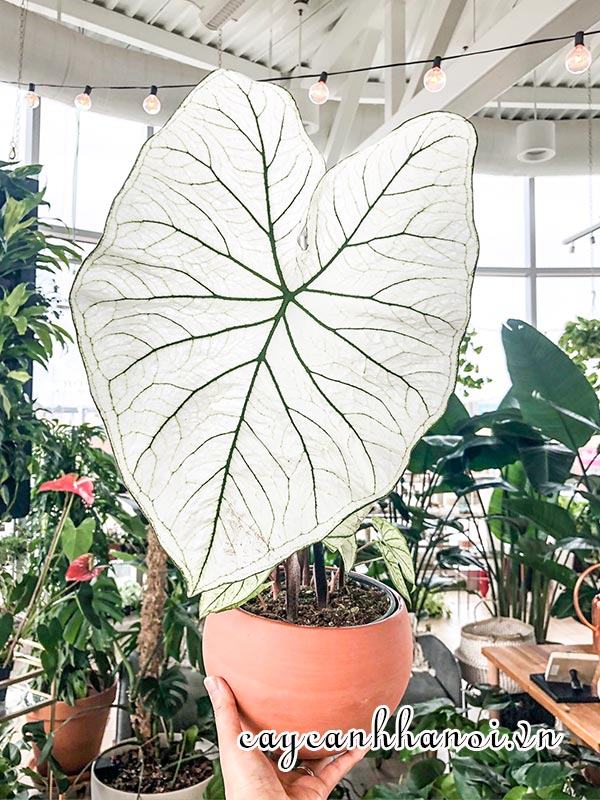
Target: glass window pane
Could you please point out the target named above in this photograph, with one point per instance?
(562, 299)
(108, 147)
(62, 390)
(58, 144)
(494, 300)
(83, 177)
(500, 220)
(562, 205)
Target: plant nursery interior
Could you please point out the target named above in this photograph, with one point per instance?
(299, 399)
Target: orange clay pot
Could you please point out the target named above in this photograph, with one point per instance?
(297, 678)
(78, 741)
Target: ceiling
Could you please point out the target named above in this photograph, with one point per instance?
(267, 32)
(264, 41)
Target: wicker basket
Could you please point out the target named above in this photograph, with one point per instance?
(503, 631)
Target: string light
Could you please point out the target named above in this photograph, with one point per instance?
(319, 91)
(32, 99)
(578, 61)
(434, 79)
(579, 57)
(83, 101)
(151, 104)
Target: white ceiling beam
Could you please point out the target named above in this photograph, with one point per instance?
(343, 35)
(559, 98)
(351, 93)
(472, 82)
(100, 20)
(439, 33)
(394, 36)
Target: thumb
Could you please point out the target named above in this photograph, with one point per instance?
(226, 714)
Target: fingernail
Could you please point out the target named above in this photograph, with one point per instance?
(212, 685)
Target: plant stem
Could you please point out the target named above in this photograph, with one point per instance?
(320, 573)
(40, 581)
(151, 627)
(292, 586)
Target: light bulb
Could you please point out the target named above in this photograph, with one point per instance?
(434, 79)
(319, 91)
(579, 58)
(151, 103)
(83, 101)
(32, 99)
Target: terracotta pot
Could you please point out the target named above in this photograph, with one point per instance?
(100, 791)
(78, 741)
(297, 678)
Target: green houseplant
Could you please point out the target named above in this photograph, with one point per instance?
(28, 324)
(512, 484)
(264, 392)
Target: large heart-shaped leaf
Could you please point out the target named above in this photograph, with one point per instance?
(265, 342)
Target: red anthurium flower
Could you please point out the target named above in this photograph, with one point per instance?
(81, 569)
(83, 487)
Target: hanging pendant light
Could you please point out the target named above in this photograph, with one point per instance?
(319, 91)
(434, 79)
(151, 104)
(579, 58)
(32, 98)
(83, 101)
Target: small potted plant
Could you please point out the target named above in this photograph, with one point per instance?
(75, 623)
(157, 763)
(266, 341)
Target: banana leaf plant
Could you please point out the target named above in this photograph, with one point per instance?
(542, 515)
(266, 340)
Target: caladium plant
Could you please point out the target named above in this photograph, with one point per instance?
(266, 340)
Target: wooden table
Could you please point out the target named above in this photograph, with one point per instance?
(582, 719)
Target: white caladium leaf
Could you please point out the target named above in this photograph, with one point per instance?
(265, 342)
(394, 550)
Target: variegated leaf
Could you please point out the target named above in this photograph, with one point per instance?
(394, 549)
(266, 344)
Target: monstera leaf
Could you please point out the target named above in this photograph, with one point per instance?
(264, 341)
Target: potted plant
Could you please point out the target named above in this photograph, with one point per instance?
(74, 623)
(156, 762)
(265, 342)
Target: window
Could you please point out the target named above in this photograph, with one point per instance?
(562, 208)
(562, 299)
(494, 300)
(86, 160)
(62, 390)
(500, 217)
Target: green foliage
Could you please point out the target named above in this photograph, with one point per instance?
(581, 340)
(28, 328)
(488, 774)
(540, 510)
(79, 636)
(540, 372)
(468, 369)
(11, 784)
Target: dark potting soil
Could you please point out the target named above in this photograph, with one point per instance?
(124, 772)
(355, 604)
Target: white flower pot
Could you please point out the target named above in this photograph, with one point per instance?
(100, 791)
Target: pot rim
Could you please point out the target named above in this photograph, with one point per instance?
(396, 607)
(89, 703)
(130, 744)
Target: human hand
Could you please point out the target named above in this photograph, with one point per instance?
(251, 774)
